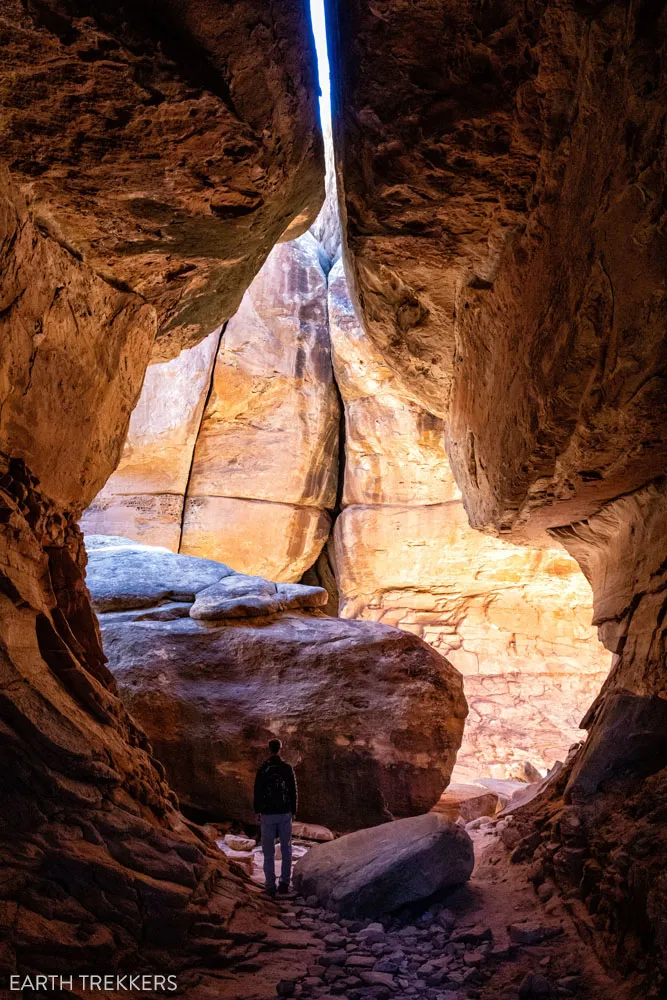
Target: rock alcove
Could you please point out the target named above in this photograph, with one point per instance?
(402, 467)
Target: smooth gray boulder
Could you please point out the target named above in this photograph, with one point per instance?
(378, 870)
(253, 596)
(125, 575)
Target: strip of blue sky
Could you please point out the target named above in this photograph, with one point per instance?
(320, 32)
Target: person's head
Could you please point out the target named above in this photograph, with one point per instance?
(275, 746)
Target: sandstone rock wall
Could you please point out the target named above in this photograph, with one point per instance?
(265, 464)
(512, 275)
(170, 152)
(144, 496)
(153, 163)
(232, 452)
(515, 621)
(98, 864)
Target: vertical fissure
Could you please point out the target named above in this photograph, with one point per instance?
(209, 390)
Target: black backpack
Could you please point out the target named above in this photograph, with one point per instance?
(275, 794)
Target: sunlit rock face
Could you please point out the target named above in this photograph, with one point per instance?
(213, 664)
(232, 452)
(172, 151)
(144, 497)
(266, 459)
(515, 621)
(394, 449)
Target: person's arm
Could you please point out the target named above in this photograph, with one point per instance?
(291, 786)
(257, 792)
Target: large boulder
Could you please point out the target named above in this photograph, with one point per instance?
(124, 575)
(371, 716)
(373, 872)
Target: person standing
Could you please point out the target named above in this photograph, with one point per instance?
(275, 804)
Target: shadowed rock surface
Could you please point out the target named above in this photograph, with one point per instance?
(153, 160)
(513, 277)
(373, 872)
(357, 705)
(171, 149)
(99, 867)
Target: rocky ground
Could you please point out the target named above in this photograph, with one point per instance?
(498, 937)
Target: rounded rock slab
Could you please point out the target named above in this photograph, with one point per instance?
(375, 871)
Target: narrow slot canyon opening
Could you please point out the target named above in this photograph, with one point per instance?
(364, 493)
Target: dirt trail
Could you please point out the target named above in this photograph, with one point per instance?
(493, 939)
(483, 942)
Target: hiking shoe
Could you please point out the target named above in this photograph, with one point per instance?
(270, 890)
(283, 888)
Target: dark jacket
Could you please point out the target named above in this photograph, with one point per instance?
(262, 783)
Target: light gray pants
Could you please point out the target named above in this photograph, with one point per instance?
(277, 826)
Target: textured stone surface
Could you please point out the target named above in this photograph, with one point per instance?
(169, 151)
(275, 540)
(490, 242)
(372, 872)
(571, 336)
(357, 704)
(270, 427)
(160, 158)
(73, 359)
(514, 620)
(123, 575)
(394, 449)
(99, 867)
(260, 464)
(437, 149)
(265, 464)
(143, 499)
(467, 801)
(622, 551)
(556, 352)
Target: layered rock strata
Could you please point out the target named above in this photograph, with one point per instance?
(213, 664)
(515, 621)
(169, 152)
